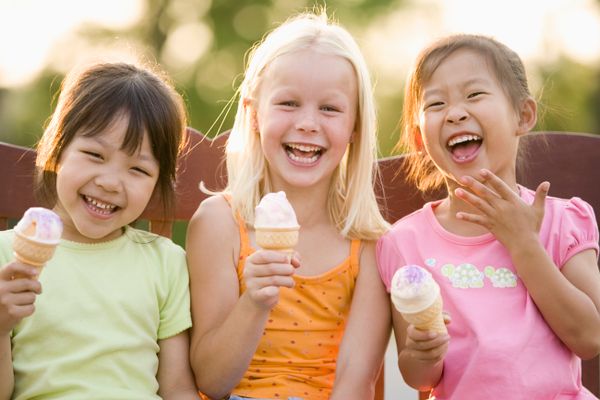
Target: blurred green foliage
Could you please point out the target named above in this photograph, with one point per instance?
(569, 93)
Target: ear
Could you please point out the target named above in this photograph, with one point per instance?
(418, 138)
(527, 116)
(249, 107)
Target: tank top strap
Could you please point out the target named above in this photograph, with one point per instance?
(355, 255)
(245, 249)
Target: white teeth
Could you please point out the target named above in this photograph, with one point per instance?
(304, 147)
(461, 139)
(99, 204)
(305, 160)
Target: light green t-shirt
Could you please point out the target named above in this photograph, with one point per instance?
(103, 308)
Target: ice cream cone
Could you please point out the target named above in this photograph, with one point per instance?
(36, 237)
(277, 238)
(416, 295)
(430, 319)
(275, 223)
(28, 251)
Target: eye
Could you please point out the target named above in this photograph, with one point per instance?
(288, 103)
(474, 94)
(330, 108)
(433, 104)
(141, 171)
(92, 154)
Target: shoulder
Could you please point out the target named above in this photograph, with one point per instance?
(417, 218)
(6, 238)
(213, 221)
(572, 211)
(214, 208)
(149, 241)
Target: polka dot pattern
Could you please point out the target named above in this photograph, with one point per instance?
(297, 352)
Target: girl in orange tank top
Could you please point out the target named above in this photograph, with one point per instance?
(266, 324)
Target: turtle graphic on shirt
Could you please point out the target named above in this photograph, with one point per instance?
(500, 277)
(463, 275)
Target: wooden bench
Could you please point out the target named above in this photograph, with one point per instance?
(571, 162)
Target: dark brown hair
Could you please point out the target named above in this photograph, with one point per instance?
(90, 101)
(504, 62)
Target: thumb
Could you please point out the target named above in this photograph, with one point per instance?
(540, 196)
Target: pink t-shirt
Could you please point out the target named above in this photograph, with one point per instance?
(500, 346)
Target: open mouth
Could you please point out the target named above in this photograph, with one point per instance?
(464, 147)
(99, 206)
(303, 153)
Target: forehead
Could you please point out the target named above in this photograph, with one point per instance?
(311, 70)
(118, 134)
(462, 67)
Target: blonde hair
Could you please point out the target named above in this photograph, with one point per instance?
(352, 204)
(505, 63)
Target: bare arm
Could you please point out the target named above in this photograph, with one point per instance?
(420, 354)
(175, 378)
(370, 308)
(569, 299)
(16, 302)
(226, 326)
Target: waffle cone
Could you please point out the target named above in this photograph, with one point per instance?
(430, 319)
(281, 239)
(28, 251)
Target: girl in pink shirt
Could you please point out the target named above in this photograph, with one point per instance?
(517, 269)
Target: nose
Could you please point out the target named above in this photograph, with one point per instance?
(109, 181)
(307, 121)
(457, 114)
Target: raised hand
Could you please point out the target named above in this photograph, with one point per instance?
(17, 295)
(512, 221)
(265, 272)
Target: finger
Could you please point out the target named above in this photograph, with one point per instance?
(21, 311)
(295, 261)
(22, 299)
(541, 193)
(498, 185)
(268, 295)
(419, 336)
(434, 354)
(24, 285)
(474, 218)
(266, 270)
(447, 317)
(269, 256)
(274, 280)
(13, 269)
(479, 188)
(483, 205)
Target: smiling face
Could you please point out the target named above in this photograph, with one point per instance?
(466, 120)
(306, 115)
(100, 187)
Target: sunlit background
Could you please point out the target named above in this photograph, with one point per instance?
(202, 43)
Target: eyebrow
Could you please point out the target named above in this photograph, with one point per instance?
(468, 82)
(149, 157)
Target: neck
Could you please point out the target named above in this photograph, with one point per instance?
(310, 204)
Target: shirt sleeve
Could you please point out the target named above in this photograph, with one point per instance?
(175, 315)
(388, 258)
(6, 255)
(578, 230)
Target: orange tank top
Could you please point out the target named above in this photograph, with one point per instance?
(297, 353)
